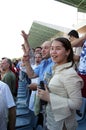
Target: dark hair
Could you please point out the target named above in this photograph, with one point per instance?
(38, 47)
(67, 45)
(73, 33)
(4, 58)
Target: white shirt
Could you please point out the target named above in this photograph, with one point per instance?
(6, 102)
(8, 98)
(3, 121)
(33, 93)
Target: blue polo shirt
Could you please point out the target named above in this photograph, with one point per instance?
(44, 67)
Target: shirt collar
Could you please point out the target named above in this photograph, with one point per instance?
(61, 67)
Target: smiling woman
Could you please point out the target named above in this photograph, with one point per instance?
(64, 89)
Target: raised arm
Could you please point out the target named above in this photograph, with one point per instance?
(25, 46)
(79, 41)
(29, 70)
(26, 56)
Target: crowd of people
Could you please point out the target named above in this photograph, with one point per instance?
(60, 64)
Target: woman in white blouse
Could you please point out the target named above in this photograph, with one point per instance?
(64, 90)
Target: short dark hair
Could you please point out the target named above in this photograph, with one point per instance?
(8, 61)
(73, 33)
(38, 47)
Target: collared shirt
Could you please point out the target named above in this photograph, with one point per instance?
(44, 67)
(65, 97)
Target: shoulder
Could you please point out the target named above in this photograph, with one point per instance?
(69, 72)
(3, 85)
(11, 74)
(8, 98)
(5, 88)
(71, 76)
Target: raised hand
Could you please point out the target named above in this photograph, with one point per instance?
(25, 46)
(25, 36)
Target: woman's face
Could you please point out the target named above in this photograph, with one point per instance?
(58, 53)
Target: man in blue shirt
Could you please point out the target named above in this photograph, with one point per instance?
(45, 65)
(43, 70)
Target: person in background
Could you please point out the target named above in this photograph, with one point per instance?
(63, 92)
(24, 80)
(41, 70)
(34, 118)
(81, 42)
(7, 108)
(22, 73)
(16, 72)
(38, 49)
(73, 35)
(45, 63)
(18, 64)
(9, 77)
(1, 72)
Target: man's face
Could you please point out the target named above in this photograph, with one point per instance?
(37, 50)
(46, 49)
(4, 65)
(71, 38)
(38, 58)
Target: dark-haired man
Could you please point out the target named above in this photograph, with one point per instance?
(8, 76)
(81, 42)
(73, 35)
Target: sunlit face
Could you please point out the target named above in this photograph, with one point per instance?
(38, 58)
(4, 64)
(58, 53)
(46, 50)
(38, 50)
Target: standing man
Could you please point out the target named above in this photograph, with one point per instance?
(46, 63)
(44, 67)
(73, 35)
(82, 63)
(9, 77)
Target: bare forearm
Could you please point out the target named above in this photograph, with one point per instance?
(29, 70)
(27, 46)
(76, 58)
(12, 118)
(23, 48)
(78, 42)
(26, 43)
